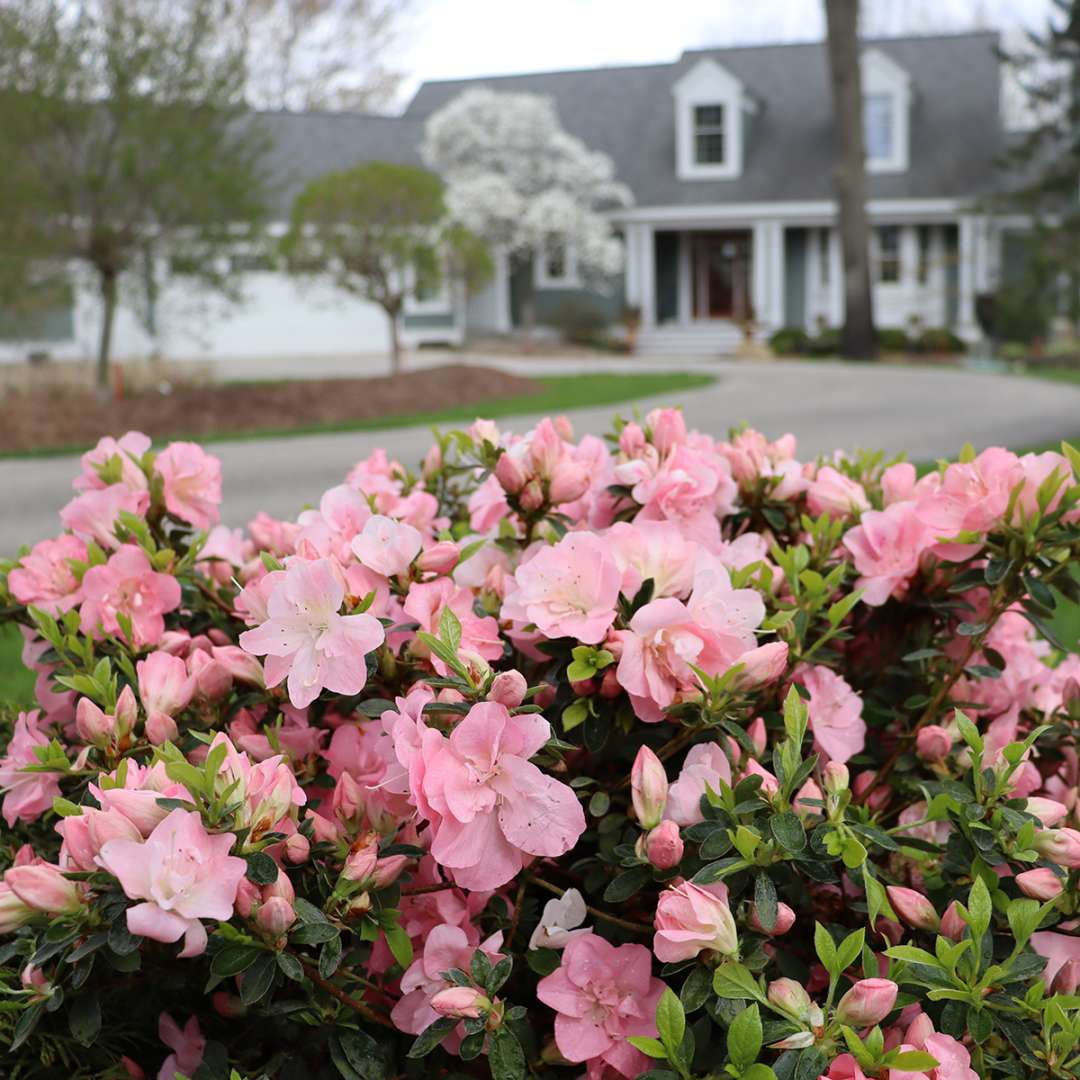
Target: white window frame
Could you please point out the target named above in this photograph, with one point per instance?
(569, 279)
(878, 256)
(707, 83)
(882, 77)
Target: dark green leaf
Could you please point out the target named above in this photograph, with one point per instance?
(431, 1036)
(788, 830)
(626, 884)
(505, 1056)
(84, 1019)
(261, 869)
(258, 979)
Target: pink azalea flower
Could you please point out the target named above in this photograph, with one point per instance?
(706, 763)
(127, 452)
(886, 546)
(601, 994)
(186, 1043)
(182, 874)
(489, 806)
(92, 515)
(479, 634)
(654, 551)
(1058, 949)
(192, 483)
(445, 948)
(307, 640)
(27, 795)
(45, 579)
(128, 585)
(165, 688)
(835, 712)
(691, 919)
(833, 493)
(569, 589)
(266, 791)
(667, 639)
(387, 546)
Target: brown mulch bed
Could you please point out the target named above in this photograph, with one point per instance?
(63, 417)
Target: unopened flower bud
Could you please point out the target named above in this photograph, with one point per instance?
(127, 711)
(867, 1003)
(510, 473)
(569, 483)
(759, 737)
(785, 920)
(913, 908)
(664, 845)
(933, 743)
(1060, 845)
(1048, 811)
(1040, 884)
(462, 1002)
(790, 997)
(648, 788)
(1067, 978)
(532, 496)
(835, 777)
(93, 725)
(762, 666)
(609, 684)
(43, 887)
(160, 728)
(276, 916)
(362, 859)
(952, 923)
(440, 558)
(508, 689)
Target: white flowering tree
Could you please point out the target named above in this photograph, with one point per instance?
(519, 181)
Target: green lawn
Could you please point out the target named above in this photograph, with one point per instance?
(16, 683)
(558, 393)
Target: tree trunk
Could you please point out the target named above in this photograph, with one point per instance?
(395, 342)
(857, 338)
(108, 311)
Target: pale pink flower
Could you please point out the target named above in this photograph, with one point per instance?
(192, 483)
(120, 458)
(487, 504)
(270, 534)
(266, 791)
(182, 874)
(93, 515)
(45, 578)
(165, 688)
(445, 948)
(1058, 949)
(128, 585)
(835, 712)
(886, 547)
(569, 589)
(27, 795)
(560, 921)
(307, 640)
(655, 551)
(705, 764)
(691, 919)
(490, 807)
(648, 788)
(479, 634)
(898, 483)
(43, 887)
(187, 1045)
(387, 546)
(666, 639)
(663, 845)
(138, 798)
(224, 553)
(833, 493)
(601, 994)
(868, 1002)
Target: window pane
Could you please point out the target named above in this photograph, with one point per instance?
(888, 262)
(709, 145)
(878, 126)
(711, 116)
(709, 149)
(555, 261)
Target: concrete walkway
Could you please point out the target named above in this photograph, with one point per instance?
(926, 412)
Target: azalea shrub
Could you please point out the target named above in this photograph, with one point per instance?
(655, 755)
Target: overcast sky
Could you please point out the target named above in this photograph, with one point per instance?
(460, 38)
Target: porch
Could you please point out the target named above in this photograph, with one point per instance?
(704, 287)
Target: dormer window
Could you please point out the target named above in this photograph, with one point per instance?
(886, 113)
(710, 123)
(709, 134)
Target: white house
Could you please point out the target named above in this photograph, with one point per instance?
(728, 153)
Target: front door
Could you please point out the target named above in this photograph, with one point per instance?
(720, 265)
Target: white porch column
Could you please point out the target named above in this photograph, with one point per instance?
(966, 256)
(686, 290)
(647, 276)
(767, 286)
(759, 284)
(836, 279)
(501, 284)
(632, 243)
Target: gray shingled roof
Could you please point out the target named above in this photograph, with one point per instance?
(627, 112)
(306, 145)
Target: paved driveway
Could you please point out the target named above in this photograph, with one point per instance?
(928, 413)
